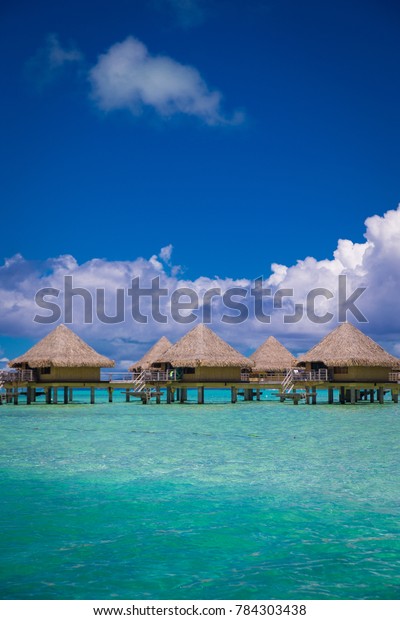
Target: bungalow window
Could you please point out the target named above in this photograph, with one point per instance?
(340, 370)
(188, 371)
(45, 371)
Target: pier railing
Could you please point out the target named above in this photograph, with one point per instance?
(145, 375)
(15, 375)
(159, 375)
(265, 377)
(299, 374)
(294, 374)
(116, 377)
(322, 374)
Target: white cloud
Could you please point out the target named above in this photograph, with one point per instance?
(57, 55)
(128, 77)
(49, 60)
(166, 253)
(373, 264)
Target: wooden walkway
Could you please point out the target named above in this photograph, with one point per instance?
(177, 391)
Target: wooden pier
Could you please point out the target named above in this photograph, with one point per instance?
(346, 366)
(170, 391)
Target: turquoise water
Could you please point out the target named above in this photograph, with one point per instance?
(248, 501)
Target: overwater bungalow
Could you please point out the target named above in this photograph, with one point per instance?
(62, 356)
(271, 360)
(346, 362)
(149, 359)
(202, 356)
(347, 355)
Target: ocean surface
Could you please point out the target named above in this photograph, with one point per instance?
(257, 500)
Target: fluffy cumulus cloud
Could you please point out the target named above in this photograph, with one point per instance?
(106, 312)
(128, 77)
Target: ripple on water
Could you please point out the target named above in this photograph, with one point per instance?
(255, 500)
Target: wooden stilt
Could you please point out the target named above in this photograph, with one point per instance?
(8, 396)
(233, 394)
(200, 395)
(346, 394)
(70, 395)
(127, 396)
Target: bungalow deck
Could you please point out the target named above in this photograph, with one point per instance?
(295, 387)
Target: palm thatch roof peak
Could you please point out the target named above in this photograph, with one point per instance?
(152, 354)
(348, 346)
(272, 355)
(202, 347)
(64, 349)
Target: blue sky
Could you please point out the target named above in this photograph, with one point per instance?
(243, 134)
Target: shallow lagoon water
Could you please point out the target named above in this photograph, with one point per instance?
(257, 500)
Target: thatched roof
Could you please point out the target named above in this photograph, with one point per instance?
(202, 347)
(348, 346)
(272, 355)
(64, 349)
(152, 354)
